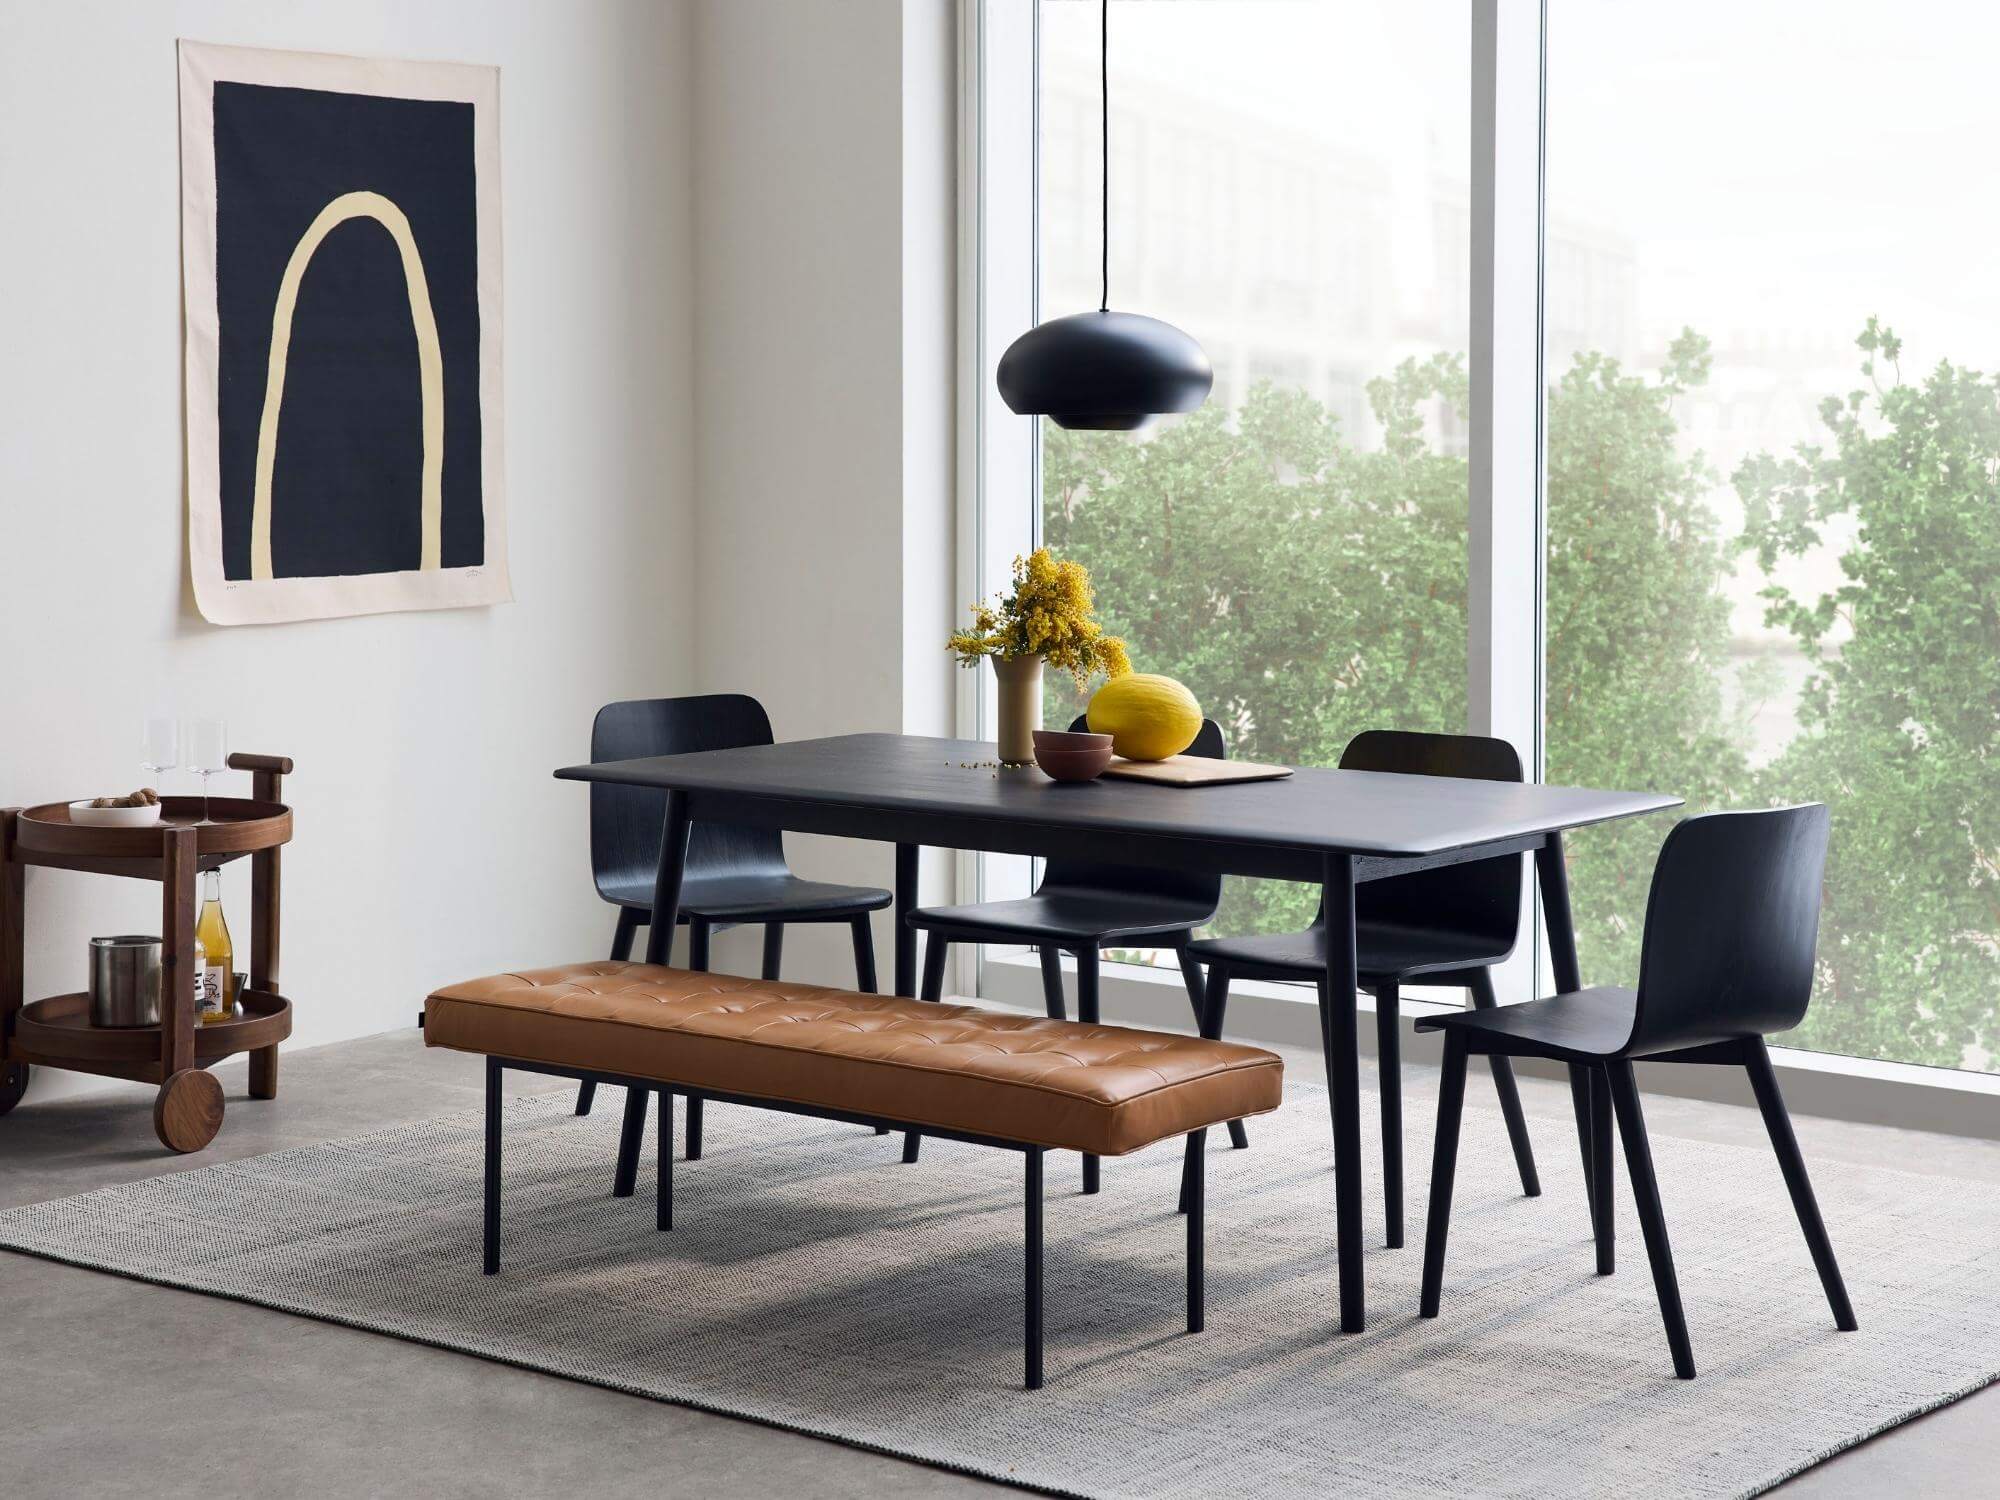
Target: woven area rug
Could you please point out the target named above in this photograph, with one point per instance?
(813, 1282)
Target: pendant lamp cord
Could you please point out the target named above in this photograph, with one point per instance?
(1104, 93)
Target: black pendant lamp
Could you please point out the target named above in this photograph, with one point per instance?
(1105, 370)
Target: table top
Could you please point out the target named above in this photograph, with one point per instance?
(1356, 812)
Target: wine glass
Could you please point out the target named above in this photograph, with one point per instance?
(162, 745)
(207, 753)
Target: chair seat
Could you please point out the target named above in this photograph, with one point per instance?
(1067, 914)
(1584, 1026)
(759, 898)
(1385, 951)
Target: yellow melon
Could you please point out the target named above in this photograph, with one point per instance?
(1148, 717)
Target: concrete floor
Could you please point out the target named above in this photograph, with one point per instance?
(115, 1388)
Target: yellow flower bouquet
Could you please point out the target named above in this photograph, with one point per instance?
(1050, 614)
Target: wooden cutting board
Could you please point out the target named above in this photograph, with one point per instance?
(1195, 770)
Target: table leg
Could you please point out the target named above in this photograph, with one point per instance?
(906, 953)
(906, 935)
(1553, 877)
(1343, 1077)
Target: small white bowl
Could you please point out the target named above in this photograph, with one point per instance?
(114, 817)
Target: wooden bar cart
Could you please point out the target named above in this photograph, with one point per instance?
(56, 1032)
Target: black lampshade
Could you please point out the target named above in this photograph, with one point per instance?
(1104, 370)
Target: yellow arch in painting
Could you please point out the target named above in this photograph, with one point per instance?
(430, 371)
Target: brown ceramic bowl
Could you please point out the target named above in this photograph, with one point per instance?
(1072, 757)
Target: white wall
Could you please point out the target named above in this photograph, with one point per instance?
(824, 248)
(431, 842)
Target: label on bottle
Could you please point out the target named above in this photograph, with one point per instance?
(213, 987)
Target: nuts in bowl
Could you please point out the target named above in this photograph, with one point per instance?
(140, 809)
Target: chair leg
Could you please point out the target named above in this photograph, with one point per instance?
(864, 955)
(490, 1256)
(1210, 999)
(774, 949)
(630, 1136)
(1197, 1289)
(1444, 1162)
(1778, 1122)
(1053, 999)
(937, 947)
(1032, 1310)
(698, 932)
(663, 1213)
(1389, 1050)
(1579, 1098)
(1480, 983)
(1603, 1174)
(1086, 1012)
(621, 951)
(1646, 1194)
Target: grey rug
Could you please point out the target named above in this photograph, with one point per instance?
(815, 1283)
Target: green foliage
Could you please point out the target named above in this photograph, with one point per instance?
(1306, 588)
(1900, 721)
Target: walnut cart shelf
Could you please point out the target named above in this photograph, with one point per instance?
(56, 1032)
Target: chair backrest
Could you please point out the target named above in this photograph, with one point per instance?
(1145, 880)
(1481, 901)
(1731, 927)
(625, 821)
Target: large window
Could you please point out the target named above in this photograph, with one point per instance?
(1773, 519)
(1733, 529)
(1295, 551)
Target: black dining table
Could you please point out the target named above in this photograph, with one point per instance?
(1334, 829)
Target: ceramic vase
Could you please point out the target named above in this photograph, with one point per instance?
(1020, 707)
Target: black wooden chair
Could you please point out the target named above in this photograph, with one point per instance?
(1446, 926)
(1082, 908)
(1727, 960)
(735, 876)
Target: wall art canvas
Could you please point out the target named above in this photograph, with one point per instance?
(340, 241)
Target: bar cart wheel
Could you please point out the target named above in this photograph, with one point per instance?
(188, 1111)
(13, 1084)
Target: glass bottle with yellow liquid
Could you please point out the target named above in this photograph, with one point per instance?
(216, 981)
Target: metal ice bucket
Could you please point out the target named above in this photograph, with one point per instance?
(125, 981)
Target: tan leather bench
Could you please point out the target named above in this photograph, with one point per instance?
(989, 1077)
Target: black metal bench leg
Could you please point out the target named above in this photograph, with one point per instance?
(1444, 1163)
(621, 950)
(664, 1209)
(1778, 1122)
(1197, 1173)
(490, 1263)
(1646, 1194)
(630, 1136)
(1389, 1067)
(1033, 1310)
(1086, 1012)
(1480, 983)
(1603, 1174)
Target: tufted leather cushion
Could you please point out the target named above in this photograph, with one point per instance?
(1103, 1089)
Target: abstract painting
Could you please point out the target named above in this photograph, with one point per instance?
(340, 229)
